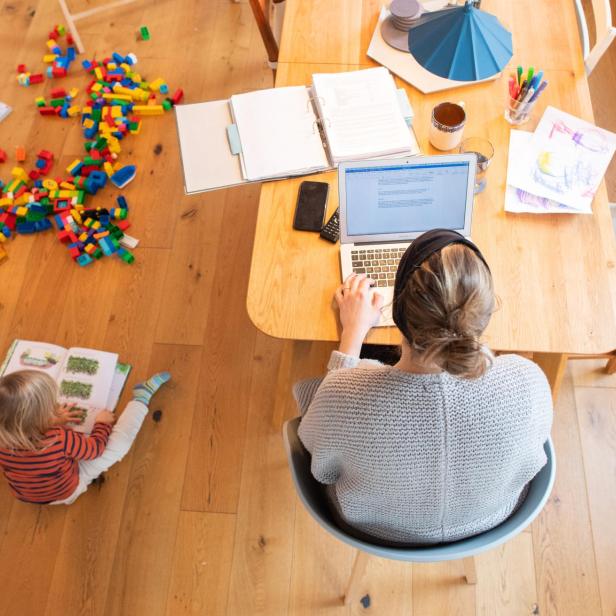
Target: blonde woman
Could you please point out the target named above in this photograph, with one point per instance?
(44, 460)
(442, 445)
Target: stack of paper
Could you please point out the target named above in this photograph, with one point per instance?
(558, 168)
(279, 133)
(361, 115)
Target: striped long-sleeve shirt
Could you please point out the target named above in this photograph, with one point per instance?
(52, 472)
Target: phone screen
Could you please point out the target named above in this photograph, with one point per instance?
(311, 206)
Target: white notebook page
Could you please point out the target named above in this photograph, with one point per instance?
(278, 132)
(361, 115)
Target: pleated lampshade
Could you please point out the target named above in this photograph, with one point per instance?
(462, 43)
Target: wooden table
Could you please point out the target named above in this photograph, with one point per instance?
(555, 276)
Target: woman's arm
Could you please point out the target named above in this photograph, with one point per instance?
(360, 310)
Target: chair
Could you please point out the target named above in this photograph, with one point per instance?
(269, 40)
(604, 31)
(312, 495)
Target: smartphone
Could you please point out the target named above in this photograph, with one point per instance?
(311, 206)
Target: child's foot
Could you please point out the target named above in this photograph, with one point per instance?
(143, 392)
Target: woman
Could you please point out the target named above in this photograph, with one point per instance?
(442, 445)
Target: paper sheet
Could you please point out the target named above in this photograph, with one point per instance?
(520, 201)
(564, 161)
(361, 114)
(279, 133)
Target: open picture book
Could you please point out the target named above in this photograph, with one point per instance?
(92, 380)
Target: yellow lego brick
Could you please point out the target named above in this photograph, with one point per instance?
(108, 168)
(148, 110)
(50, 184)
(5, 202)
(22, 200)
(116, 112)
(66, 194)
(120, 97)
(19, 174)
(67, 186)
(98, 73)
(74, 111)
(2, 238)
(97, 87)
(73, 92)
(51, 44)
(88, 123)
(155, 85)
(48, 58)
(96, 225)
(72, 166)
(21, 211)
(112, 66)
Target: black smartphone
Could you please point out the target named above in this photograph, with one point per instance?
(311, 206)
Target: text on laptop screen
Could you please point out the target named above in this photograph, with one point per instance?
(406, 198)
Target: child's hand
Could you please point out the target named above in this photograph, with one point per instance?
(68, 413)
(106, 417)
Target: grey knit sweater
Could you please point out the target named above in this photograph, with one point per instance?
(425, 458)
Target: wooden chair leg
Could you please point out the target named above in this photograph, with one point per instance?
(470, 572)
(359, 568)
(610, 367)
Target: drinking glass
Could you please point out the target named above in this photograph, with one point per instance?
(484, 151)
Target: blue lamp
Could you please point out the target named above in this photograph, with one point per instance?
(462, 43)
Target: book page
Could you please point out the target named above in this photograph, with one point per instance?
(361, 114)
(120, 377)
(29, 355)
(279, 133)
(85, 379)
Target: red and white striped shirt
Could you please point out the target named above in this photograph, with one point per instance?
(52, 473)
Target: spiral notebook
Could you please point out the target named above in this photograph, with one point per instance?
(295, 130)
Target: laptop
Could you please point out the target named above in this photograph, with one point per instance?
(386, 204)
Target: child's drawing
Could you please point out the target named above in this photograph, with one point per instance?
(82, 365)
(75, 389)
(563, 160)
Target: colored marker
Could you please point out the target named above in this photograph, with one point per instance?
(520, 71)
(540, 89)
(531, 72)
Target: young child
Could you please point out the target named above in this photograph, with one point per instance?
(46, 462)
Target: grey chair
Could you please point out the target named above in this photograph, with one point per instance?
(312, 496)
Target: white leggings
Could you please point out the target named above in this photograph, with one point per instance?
(120, 440)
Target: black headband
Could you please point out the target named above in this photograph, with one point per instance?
(421, 249)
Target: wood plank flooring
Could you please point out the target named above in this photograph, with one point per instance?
(201, 516)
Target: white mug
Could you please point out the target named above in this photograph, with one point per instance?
(447, 125)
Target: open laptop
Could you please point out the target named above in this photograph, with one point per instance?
(385, 204)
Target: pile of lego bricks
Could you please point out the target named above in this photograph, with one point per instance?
(117, 98)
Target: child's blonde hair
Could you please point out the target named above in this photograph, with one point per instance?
(28, 406)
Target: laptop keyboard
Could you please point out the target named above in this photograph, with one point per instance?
(380, 264)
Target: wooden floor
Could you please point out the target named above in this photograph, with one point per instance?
(201, 516)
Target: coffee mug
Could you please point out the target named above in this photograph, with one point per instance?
(447, 125)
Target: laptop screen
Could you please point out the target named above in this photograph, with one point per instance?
(406, 198)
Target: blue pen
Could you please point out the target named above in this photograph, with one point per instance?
(536, 80)
(539, 90)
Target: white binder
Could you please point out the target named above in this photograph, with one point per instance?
(269, 134)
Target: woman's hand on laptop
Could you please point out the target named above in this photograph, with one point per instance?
(360, 310)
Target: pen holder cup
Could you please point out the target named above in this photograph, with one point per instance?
(516, 112)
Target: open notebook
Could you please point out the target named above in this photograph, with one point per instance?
(92, 380)
(295, 130)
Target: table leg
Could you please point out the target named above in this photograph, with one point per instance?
(553, 364)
